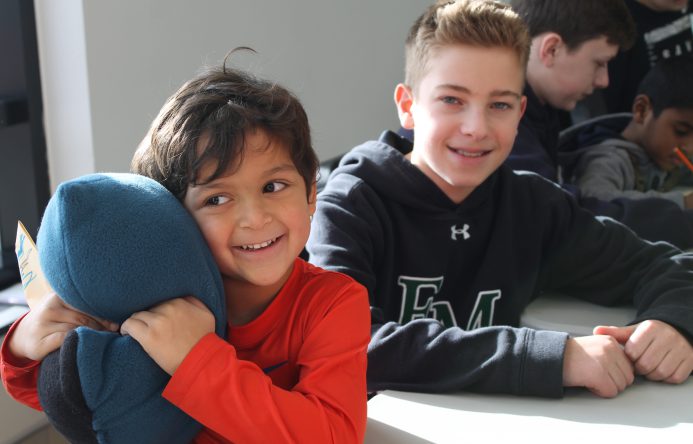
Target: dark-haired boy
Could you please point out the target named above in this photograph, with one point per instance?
(236, 151)
(452, 245)
(572, 43)
(634, 157)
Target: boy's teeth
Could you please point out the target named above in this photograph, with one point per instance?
(258, 246)
(467, 154)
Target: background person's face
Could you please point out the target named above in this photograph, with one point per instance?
(665, 5)
(672, 128)
(576, 74)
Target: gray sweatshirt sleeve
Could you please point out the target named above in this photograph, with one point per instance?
(422, 355)
(606, 173)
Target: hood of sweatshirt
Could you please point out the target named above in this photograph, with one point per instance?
(574, 141)
(405, 183)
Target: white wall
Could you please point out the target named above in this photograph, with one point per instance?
(108, 65)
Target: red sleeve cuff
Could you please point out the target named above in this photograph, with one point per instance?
(8, 360)
(19, 376)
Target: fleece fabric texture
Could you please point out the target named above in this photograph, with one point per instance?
(111, 245)
(65, 405)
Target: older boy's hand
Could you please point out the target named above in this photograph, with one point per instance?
(44, 328)
(170, 330)
(597, 363)
(657, 349)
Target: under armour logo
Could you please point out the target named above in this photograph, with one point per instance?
(463, 232)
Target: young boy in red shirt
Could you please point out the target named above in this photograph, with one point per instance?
(236, 151)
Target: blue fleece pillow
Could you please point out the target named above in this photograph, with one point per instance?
(111, 245)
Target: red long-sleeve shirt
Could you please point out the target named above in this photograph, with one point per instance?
(297, 373)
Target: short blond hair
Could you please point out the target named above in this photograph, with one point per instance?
(481, 23)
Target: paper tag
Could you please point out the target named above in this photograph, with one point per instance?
(34, 282)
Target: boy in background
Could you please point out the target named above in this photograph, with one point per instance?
(572, 43)
(636, 160)
(665, 30)
(452, 245)
(236, 151)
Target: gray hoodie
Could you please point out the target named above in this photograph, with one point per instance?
(616, 168)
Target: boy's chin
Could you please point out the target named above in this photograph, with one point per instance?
(567, 105)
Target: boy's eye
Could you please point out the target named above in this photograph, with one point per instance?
(681, 132)
(273, 187)
(450, 100)
(215, 201)
(501, 105)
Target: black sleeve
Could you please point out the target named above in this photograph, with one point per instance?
(652, 219)
(347, 236)
(602, 261)
(423, 355)
(60, 393)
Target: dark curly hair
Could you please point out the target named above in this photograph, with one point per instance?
(222, 104)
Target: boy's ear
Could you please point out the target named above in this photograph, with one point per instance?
(642, 107)
(313, 197)
(549, 47)
(404, 99)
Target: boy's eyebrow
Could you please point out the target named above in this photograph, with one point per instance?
(280, 168)
(685, 123)
(218, 184)
(494, 93)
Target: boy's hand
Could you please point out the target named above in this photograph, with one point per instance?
(688, 200)
(597, 363)
(170, 330)
(657, 349)
(44, 328)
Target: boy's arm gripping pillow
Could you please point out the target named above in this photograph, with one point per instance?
(111, 245)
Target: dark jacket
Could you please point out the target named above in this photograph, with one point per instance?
(448, 282)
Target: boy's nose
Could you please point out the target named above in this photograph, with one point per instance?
(474, 125)
(601, 78)
(253, 214)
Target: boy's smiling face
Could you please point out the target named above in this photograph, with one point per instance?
(255, 219)
(464, 114)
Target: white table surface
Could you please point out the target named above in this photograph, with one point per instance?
(577, 317)
(647, 412)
